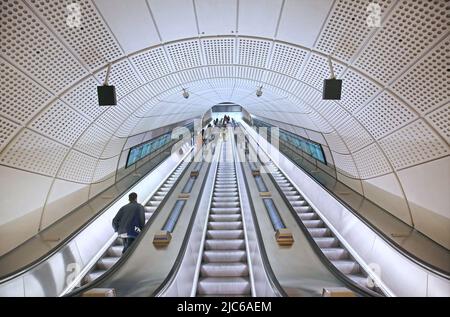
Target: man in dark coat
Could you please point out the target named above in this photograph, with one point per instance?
(129, 221)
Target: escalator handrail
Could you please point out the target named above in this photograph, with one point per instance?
(179, 259)
(427, 266)
(338, 274)
(135, 244)
(10, 276)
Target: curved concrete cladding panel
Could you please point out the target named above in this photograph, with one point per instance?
(426, 187)
(22, 196)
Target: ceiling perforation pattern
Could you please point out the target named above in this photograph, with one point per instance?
(335, 142)
(385, 114)
(151, 64)
(440, 120)
(105, 169)
(219, 51)
(412, 27)
(416, 143)
(371, 162)
(84, 98)
(338, 37)
(78, 167)
(35, 153)
(17, 91)
(53, 123)
(122, 76)
(317, 70)
(28, 44)
(93, 140)
(7, 130)
(433, 88)
(91, 41)
(287, 59)
(185, 54)
(354, 134)
(356, 91)
(253, 52)
(334, 113)
(345, 165)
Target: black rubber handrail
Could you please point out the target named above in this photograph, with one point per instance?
(325, 261)
(132, 248)
(428, 266)
(70, 237)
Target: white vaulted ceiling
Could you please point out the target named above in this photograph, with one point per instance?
(391, 126)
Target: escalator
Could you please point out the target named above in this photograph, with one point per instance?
(224, 270)
(114, 252)
(322, 235)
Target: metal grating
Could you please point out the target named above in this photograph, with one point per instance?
(317, 70)
(7, 131)
(219, 51)
(78, 167)
(185, 54)
(412, 27)
(53, 123)
(151, 64)
(416, 143)
(371, 162)
(27, 42)
(93, 141)
(17, 91)
(384, 114)
(440, 120)
(84, 98)
(356, 91)
(427, 84)
(253, 52)
(338, 37)
(354, 134)
(287, 59)
(91, 40)
(35, 153)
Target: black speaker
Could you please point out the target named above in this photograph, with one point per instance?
(106, 95)
(332, 89)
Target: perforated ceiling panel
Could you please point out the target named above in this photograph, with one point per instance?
(17, 91)
(345, 165)
(385, 114)
(335, 143)
(371, 162)
(253, 52)
(7, 131)
(287, 59)
(53, 123)
(440, 120)
(78, 167)
(91, 40)
(332, 111)
(151, 64)
(93, 141)
(112, 119)
(416, 143)
(356, 91)
(427, 84)
(105, 169)
(219, 51)
(114, 147)
(354, 134)
(84, 98)
(185, 54)
(317, 69)
(412, 27)
(122, 76)
(33, 152)
(34, 49)
(338, 37)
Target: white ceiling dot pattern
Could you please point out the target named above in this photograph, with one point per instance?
(394, 112)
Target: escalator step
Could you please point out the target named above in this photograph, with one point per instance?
(224, 256)
(225, 234)
(224, 286)
(224, 269)
(224, 244)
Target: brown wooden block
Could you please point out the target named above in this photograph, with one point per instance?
(162, 239)
(337, 292)
(100, 292)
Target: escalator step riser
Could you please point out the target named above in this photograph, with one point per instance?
(225, 234)
(225, 225)
(224, 270)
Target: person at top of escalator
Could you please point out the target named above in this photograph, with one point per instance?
(129, 221)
